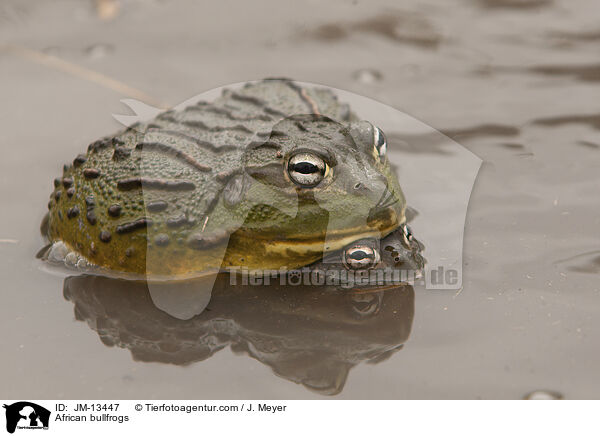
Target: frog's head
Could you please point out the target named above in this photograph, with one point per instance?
(338, 175)
(394, 259)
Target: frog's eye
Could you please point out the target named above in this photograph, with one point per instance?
(407, 235)
(307, 169)
(360, 257)
(380, 143)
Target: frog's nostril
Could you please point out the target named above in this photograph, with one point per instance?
(370, 186)
(360, 188)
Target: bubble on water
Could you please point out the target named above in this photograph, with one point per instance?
(368, 76)
(98, 51)
(544, 395)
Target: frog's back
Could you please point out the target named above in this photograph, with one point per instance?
(182, 160)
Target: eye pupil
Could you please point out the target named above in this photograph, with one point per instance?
(408, 237)
(380, 143)
(380, 138)
(360, 257)
(305, 168)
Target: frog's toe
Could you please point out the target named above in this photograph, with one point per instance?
(58, 253)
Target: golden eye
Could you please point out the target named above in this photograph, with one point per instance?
(407, 236)
(360, 257)
(307, 169)
(380, 143)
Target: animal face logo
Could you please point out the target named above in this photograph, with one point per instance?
(26, 415)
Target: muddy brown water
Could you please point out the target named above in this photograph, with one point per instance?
(515, 82)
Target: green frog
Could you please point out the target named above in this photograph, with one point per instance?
(269, 175)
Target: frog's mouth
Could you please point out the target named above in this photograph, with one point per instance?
(386, 211)
(377, 226)
(302, 249)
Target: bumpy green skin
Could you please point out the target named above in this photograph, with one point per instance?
(206, 187)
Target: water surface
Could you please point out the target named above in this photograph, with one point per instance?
(516, 82)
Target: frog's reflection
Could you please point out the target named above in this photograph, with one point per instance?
(309, 335)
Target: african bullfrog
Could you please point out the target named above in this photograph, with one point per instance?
(266, 176)
(372, 263)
